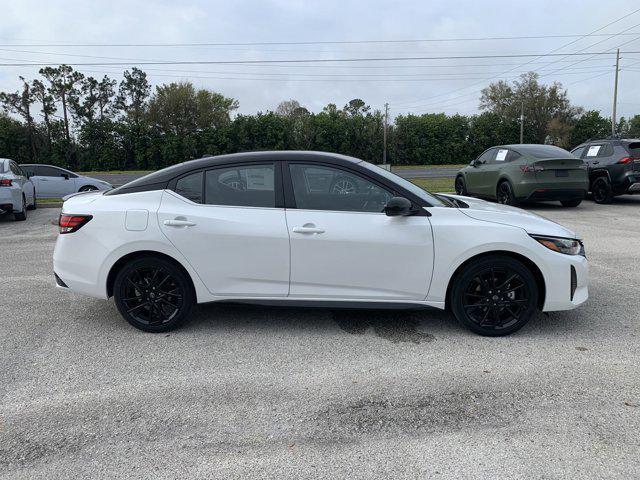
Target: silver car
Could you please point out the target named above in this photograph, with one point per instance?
(56, 182)
(17, 193)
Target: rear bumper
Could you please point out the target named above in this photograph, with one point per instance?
(556, 194)
(10, 199)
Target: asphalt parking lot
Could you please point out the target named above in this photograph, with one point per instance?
(251, 392)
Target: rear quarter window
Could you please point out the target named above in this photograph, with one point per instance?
(634, 149)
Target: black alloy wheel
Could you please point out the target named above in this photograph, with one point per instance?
(461, 188)
(153, 294)
(601, 190)
(494, 296)
(505, 195)
(88, 188)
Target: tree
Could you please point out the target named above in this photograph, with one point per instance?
(356, 107)
(590, 125)
(541, 105)
(20, 103)
(47, 106)
(133, 93)
(288, 108)
(63, 82)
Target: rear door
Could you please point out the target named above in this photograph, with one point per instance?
(229, 223)
(343, 246)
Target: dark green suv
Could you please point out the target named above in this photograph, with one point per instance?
(512, 174)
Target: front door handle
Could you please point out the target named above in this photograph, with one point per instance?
(308, 228)
(179, 223)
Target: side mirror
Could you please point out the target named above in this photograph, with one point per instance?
(475, 163)
(65, 176)
(398, 207)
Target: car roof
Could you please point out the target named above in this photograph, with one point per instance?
(538, 150)
(617, 141)
(169, 173)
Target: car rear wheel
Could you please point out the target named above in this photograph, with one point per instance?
(601, 190)
(461, 188)
(153, 294)
(494, 296)
(571, 203)
(505, 195)
(22, 214)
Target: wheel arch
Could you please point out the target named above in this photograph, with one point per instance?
(598, 173)
(122, 261)
(533, 268)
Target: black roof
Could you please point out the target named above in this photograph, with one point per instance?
(162, 177)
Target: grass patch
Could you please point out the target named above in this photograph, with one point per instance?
(435, 185)
(49, 200)
(413, 167)
(115, 172)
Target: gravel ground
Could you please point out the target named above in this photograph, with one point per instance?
(249, 392)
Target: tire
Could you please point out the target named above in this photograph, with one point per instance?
(88, 188)
(22, 215)
(494, 296)
(505, 195)
(571, 203)
(601, 190)
(460, 185)
(153, 294)
(34, 205)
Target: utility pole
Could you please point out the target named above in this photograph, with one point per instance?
(615, 95)
(522, 122)
(386, 122)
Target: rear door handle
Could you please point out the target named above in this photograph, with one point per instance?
(307, 228)
(179, 223)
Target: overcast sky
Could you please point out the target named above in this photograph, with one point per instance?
(418, 86)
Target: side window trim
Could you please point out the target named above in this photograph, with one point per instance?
(289, 194)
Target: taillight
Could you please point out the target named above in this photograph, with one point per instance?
(530, 168)
(72, 223)
(5, 182)
(625, 160)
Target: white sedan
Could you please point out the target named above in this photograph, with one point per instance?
(309, 228)
(58, 182)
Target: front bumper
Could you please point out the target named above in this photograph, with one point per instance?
(567, 282)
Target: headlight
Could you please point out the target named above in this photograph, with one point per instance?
(568, 246)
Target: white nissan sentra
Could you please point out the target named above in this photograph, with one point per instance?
(317, 229)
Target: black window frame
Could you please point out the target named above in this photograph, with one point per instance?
(289, 193)
(277, 185)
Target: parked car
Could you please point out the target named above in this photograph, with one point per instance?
(614, 167)
(17, 193)
(297, 233)
(57, 182)
(512, 174)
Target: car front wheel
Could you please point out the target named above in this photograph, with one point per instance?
(153, 294)
(88, 188)
(494, 296)
(461, 188)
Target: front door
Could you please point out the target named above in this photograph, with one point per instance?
(343, 246)
(477, 176)
(226, 224)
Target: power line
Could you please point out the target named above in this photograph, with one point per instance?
(314, 60)
(318, 42)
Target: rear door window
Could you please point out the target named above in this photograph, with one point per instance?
(241, 186)
(47, 171)
(28, 170)
(594, 151)
(501, 155)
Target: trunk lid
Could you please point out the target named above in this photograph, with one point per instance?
(557, 169)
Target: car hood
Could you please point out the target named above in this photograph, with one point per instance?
(517, 217)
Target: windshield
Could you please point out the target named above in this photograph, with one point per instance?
(406, 184)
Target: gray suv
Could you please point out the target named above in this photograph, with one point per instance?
(613, 165)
